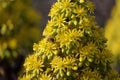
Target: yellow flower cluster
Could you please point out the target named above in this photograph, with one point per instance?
(73, 47)
(112, 33)
(35, 65)
(61, 66)
(18, 27)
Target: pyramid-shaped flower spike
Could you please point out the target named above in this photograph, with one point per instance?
(78, 42)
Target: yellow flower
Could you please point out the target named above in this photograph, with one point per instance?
(26, 77)
(33, 63)
(45, 77)
(66, 5)
(90, 6)
(58, 64)
(103, 57)
(80, 11)
(87, 52)
(90, 75)
(35, 47)
(68, 36)
(63, 7)
(69, 40)
(70, 62)
(54, 10)
(62, 66)
(59, 21)
(46, 48)
(49, 28)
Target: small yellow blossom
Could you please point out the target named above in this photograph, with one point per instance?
(58, 64)
(47, 48)
(49, 28)
(90, 6)
(73, 36)
(70, 62)
(66, 5)
(80, 11)
(59, 21)
(34, 63)
(45, 77)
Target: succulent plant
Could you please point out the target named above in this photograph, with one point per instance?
(73, 46)
(112, 33)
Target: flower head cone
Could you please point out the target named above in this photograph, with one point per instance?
(73, 47)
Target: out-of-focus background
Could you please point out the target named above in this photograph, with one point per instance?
(22, 23)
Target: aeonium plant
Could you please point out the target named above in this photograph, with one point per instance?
(73, 47)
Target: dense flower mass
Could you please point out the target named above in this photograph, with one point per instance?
(73, 47)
